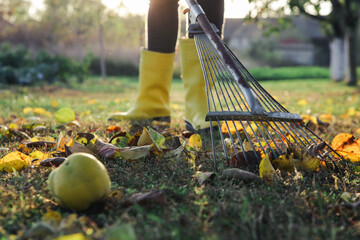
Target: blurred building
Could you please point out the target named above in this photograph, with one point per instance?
(301, 43)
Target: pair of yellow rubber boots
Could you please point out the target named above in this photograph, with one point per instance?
(156, 72)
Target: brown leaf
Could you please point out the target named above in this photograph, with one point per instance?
(77, 147)
(238, 174)
(248, 159)
(37, 144)
(155, 197)
(204, 177)
(55, 161)
(314, 149)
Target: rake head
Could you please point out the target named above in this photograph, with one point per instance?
(250, 121)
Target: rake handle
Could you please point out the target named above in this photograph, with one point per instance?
(214, 38)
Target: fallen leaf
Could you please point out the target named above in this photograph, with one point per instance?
(15, 160)
(308, 163)
(36, 144)
(302, 102)
(41, 111)
(347, 145)
(195, 142)
(266, 170)
(78, 147)
(75, 236)
(51, 217)
(204, 177)
(62, 141)
(238, 174)
(231, 127)
(39, 155)
(112, 129)
(133, 153)
(151, 137)
(155, 197)
(64, 115)
(55, 161)
(284, 162)
(54, 103)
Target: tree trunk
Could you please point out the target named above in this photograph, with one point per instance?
(102, 53)
(337, 59)
(351, 48)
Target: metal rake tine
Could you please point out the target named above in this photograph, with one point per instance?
(235, 96)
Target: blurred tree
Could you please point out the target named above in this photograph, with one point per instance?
(340, 24)
(14, 11)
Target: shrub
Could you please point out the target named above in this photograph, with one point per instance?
(281, 73)
(16, 67)
(114, 67)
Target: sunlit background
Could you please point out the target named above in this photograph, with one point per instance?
(233, 9)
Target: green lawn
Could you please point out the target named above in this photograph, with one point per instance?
(301, 205)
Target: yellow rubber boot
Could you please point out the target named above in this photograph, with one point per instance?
(155, 76)
(195, 92)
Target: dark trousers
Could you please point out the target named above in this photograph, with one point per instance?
(162, 22)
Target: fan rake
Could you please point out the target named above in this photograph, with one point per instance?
(249, 120)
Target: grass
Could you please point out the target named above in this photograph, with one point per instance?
(286, 73)
(300, 206)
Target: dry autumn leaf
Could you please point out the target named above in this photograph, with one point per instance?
(348, 146)
(195, 142)
(231, 126)
(64, 115)
(15, 160)
(285, 163)
(266, 170)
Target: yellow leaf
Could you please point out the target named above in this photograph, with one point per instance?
(45, 138)
(54, 103)
(151, 137)
(229, 126)
(351, 111)
(64, 115)
(51, 216)
(174, 106)
(285, 163)
(250, 129)
(308, 163)
(62, 141)
(16, 160)
(195, 141)
(353, 157)
(13, 126)
(41, 112)
(27, 110)
(308, 118)
(39, 155)
(347, 146)
(327, 118)
(302, 102)
(75, 236)
(266, 170)
(92, 101)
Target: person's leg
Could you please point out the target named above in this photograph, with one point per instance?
(162, 25)
(192, 76)
(156, 64)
